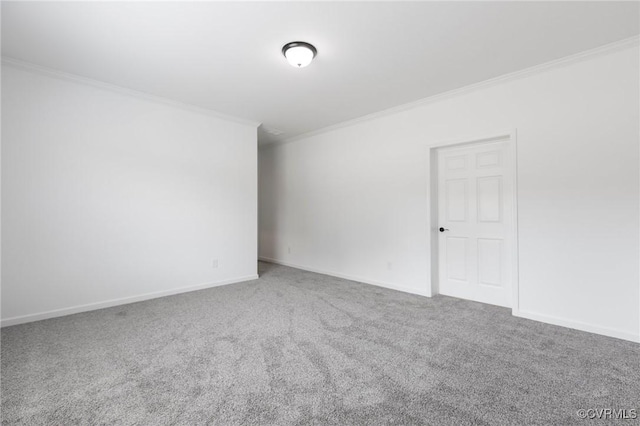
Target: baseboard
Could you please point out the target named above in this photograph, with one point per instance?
(577, 325)
(347, 277)
(518, 313)
(116, 302)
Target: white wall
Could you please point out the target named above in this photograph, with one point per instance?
(109, 198)
(354, 199)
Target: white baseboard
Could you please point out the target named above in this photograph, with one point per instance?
(518, 313)
(116, 302)
(348, 277)
(577, 325)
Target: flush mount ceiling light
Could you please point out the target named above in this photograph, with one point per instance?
(298, 53)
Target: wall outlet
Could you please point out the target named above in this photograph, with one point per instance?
(289, 249)
(389, 265)
(214, 263)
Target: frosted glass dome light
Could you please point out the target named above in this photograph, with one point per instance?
(299, 54)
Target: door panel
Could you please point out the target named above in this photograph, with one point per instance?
(457, 162)
(456, 205)
(474, 206)
(490, 262)
(490, 199)
(488, 159)
(457, 265)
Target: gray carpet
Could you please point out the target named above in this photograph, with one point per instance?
(298, 348)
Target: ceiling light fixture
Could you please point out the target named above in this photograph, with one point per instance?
(298, 53)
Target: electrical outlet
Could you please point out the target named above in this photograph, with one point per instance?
(214, 263)
(289, 249)
(389, 265)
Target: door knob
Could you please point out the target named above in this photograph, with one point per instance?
(443, 229)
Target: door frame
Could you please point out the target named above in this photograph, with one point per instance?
(509, 136)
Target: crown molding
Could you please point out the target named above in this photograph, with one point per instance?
(51, 72)
(516, 75)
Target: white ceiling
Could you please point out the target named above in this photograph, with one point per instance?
(226, 56)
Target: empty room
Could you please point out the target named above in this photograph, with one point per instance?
(320, 213)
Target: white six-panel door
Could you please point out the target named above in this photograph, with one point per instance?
(474, 222)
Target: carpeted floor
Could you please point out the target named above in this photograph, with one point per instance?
(300, 348)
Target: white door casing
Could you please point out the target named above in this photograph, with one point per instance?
(475, 207)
